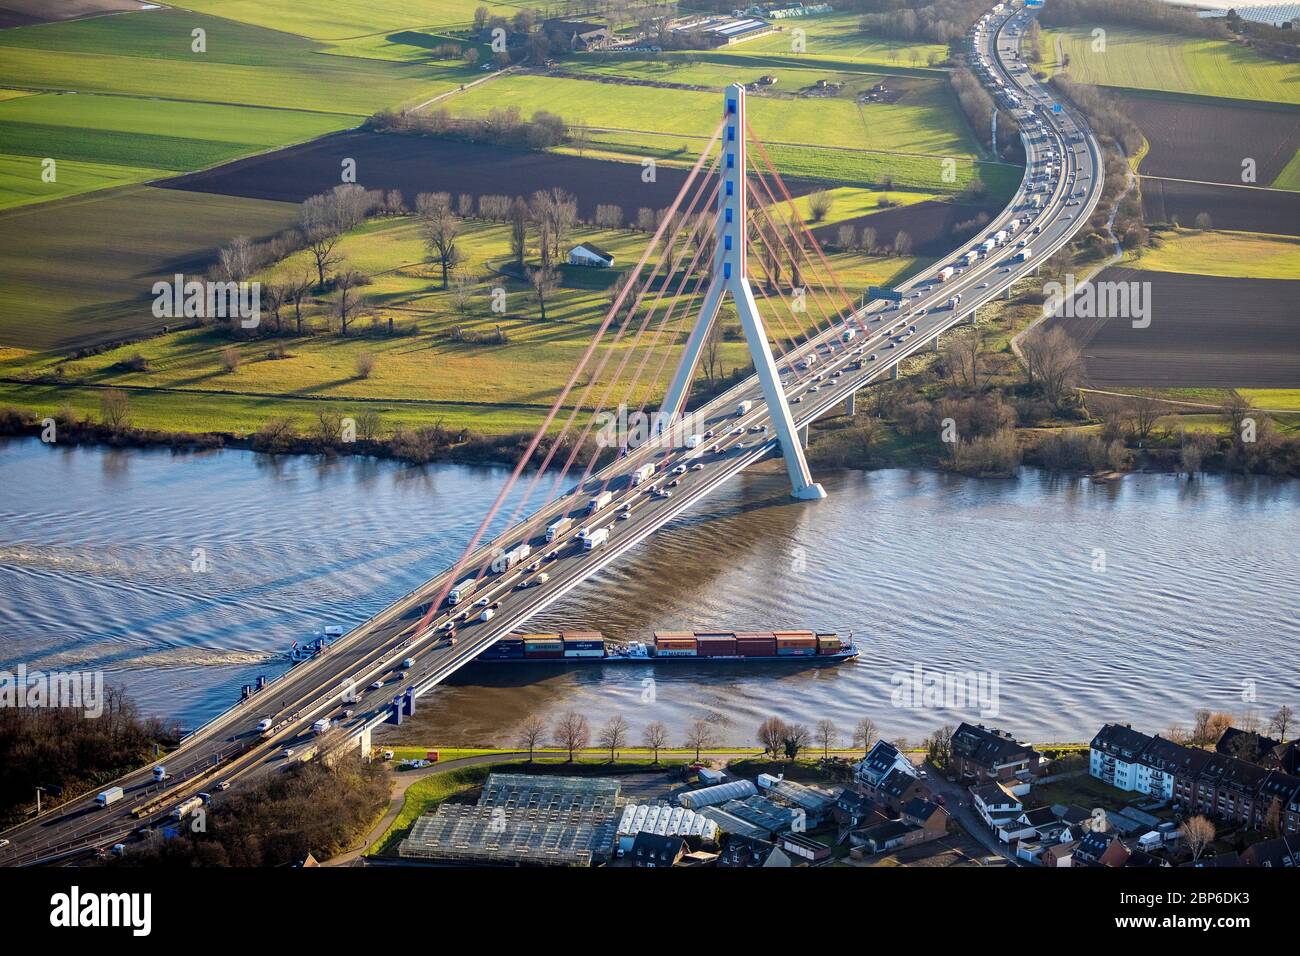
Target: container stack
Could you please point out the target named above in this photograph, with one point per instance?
(675, 644)
(795, 643)
(756, 644)
(509, 648)
(715, 644)
(829, 644)
(584, 644)
(543, 646)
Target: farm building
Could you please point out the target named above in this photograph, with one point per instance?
(585, 254)
(579, 35)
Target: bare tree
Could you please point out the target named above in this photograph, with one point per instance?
(297, 290)
(518, 231)
(544, 281)
(865, 734)
(1198, 833)
(700, 736)
(827, 735)
(572, 733)
(462, 290)
(1054, 360)
(613, 735)
(710, 357)
(1207, 727)
(349, 302)
(819, 204)
(531, 734)
(440, 229)
(321, 230)
(1144, 411)
(797, 737)
(236, 260)
(114, 408)
(770, 734)
(1281, 722)
(365, 364)
(655, 737)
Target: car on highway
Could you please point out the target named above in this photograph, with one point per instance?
(663, 493)
(377, 684)
(815, 388)
(289, 752)
(674, 483)
(223, 785)
(625, 516)
(872, 357)
(796, 400)
(264, 725)
(697, 467)
(679, 470)
(483, 602)
(738, 430)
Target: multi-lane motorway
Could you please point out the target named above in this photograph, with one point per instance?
(230, 749)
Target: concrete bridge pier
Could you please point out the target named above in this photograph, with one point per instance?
(893, 372)
(851, 404)
(803, 436)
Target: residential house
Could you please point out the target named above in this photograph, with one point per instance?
(1113, 755)
(920, 822)
(854, 809)
(745, 852)
(979, 754)
(1279, 853)
(656, 850)
(1058, 854)
(997, 806)
(889, 778)
(1247, 745)
(578, 34)
(1095, 847)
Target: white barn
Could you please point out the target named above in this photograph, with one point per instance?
(585, 254)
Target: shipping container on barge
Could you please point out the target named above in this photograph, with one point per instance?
(591, 647)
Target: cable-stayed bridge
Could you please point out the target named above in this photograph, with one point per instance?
(732, 233)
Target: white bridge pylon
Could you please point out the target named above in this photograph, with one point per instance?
(731, 274)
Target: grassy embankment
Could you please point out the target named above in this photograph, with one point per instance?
(148, 105)
(419, 377)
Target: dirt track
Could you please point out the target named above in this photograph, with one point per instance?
(1205, 331)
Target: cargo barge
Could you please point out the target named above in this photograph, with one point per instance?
(591, 647)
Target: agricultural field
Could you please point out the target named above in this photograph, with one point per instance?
(343, 19)
(79, 272)
(837, 38)
(1204, 332)
(120, 98)
(1145, 60)
(1209, 140)
(426, 372)
(923, 121)
(1234, 255)
(1229, 207)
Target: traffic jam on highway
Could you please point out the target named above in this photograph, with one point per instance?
(648, 486)
(816, 376)
(565, 540)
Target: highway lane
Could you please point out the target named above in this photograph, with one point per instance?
(230, 749)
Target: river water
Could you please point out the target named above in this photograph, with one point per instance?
(184, 576)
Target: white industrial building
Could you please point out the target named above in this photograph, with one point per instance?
(663, 820)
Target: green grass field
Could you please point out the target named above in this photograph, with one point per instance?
(121, 98)
(342, 19)
(1243, 255)
(1144, 60)
(838, 38)
(418, 378)
(1289, 178)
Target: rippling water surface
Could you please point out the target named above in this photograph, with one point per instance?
(184, 576)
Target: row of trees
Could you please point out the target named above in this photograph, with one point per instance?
(500, 126)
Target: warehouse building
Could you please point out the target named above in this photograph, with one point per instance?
(663, 820)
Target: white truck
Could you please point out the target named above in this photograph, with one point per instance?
(1022, 255)
(987, 246)
(185, 809)
(595, 539)
(972, 257)
(506, 560)
(160, 773)
(645, 471)
(999, 237)
(557, 527)
(744, 407)
(848, 335)
(461, 591)
(321, 726)
(954, 301)
(109, 797)
(946, 273)
(599, 501)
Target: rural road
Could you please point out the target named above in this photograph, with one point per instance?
(957, 801)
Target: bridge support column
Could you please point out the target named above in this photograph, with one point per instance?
(409, 702)
(730, 274)
(803, 437)
(935, 341)
(850, 406)
(893, 372)
(364, 743)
